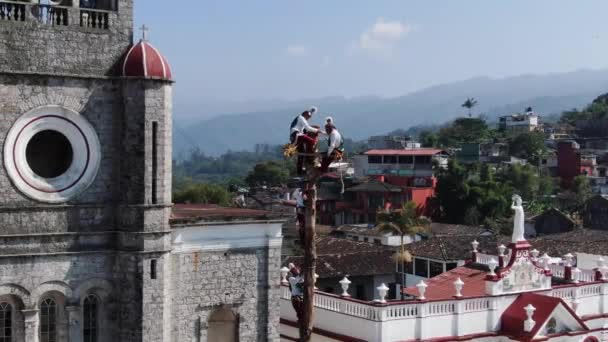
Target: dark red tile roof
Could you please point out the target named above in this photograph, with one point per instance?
(341, 257)
(579, 240)
(405, 152)
(441, 287)
(212, 212)
(512, 320)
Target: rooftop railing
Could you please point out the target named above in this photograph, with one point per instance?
(54, 15)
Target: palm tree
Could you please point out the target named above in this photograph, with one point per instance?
(469, 104)
(403, 222)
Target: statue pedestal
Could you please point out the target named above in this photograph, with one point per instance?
(519, 250)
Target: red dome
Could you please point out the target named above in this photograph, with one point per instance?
(144, 60)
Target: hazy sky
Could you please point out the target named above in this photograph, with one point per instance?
(251, 49)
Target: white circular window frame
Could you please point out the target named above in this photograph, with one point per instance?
(86, 155)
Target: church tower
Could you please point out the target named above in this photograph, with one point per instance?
(86, 174)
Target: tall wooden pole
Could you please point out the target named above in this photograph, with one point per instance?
(310, 253)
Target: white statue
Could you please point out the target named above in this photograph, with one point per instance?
(518, 221)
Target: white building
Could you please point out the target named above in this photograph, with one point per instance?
(526, 122)
(516, 296)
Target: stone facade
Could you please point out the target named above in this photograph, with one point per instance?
(113, 240)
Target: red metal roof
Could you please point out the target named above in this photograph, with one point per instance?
(441, 287)
(144, 60)
(512, 320)
(405, 152)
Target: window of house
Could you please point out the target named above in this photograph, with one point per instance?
(377, 241)
(422, 160)
(406, 159)
(90, 319)
(375, 202)
(48, 321)
(392, 291)
(328, 289)
(421, 267)
(374, 159)
(409, 267)
(390, 159)
(450, 266)
(6, 322)
(360, 292)
(436, 268)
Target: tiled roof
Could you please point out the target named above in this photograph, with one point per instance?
(457, 229)
(405, 152)
(212, 212)
(580, 240)
(376, 186)
(341, 257)
(442, 286)
(512, 320)
(365, 231)
(454, 247)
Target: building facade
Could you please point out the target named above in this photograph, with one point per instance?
(87, 250)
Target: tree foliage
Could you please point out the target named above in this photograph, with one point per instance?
(270, 173)
(477, 194)
(202, 193)
(591, 121)
(529, 146)
(469, 104)
(464, 130)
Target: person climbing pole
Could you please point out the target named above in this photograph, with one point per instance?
(335, 145)
(296, 284)
(299, 197)
(303, 135)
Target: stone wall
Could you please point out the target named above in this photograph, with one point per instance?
(66, 49)
(245, 280)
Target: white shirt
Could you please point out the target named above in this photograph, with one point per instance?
(334, 141)
(296, 287)
(298, 196)
(301, 124)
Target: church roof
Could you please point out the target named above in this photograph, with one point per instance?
(513, 318)
(441, 287)
(144, 60)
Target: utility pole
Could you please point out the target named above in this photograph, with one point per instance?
(310, 250)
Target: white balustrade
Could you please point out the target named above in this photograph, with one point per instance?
(556, 270)
(477, 304)
(484, 259)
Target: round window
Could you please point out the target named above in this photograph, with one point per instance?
(52, 154)
(49, 154)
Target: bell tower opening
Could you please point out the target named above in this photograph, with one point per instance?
(49, 154)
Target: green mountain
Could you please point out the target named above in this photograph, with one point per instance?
(358, 118)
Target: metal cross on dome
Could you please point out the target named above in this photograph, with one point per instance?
(144, 32)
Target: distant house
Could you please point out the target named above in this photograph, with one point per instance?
(520, 123)
(442, 253)
(365, 233)
(596, 213)
(553, 221)
(366, 265)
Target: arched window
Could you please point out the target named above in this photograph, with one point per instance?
(48, 321)
(223, 326)
(90, 319)
(6, 322)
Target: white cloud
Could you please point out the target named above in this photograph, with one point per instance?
(383, 35)
(297, 50)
